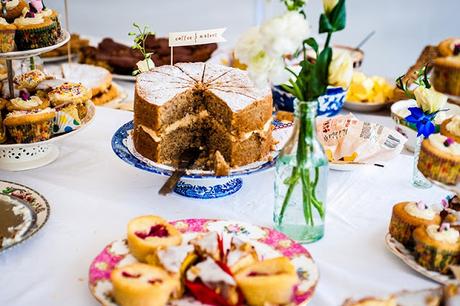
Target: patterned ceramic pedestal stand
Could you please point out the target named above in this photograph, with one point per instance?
(17, 157)
(196, 184)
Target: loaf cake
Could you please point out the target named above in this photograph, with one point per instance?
(206, 106)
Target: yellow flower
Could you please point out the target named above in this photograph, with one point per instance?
(429, 100)
(329, 5)
(340, 69)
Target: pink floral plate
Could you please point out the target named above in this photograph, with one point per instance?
(267, 242)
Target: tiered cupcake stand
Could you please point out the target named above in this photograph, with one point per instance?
(17, 157)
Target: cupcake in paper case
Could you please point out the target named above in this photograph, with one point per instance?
(7, 34)
(439, 159)
(30, 79)
(35, 31)
(30, 126)
(2, 128)
(406, 217)
(451, 128)
(437, 247)
(69, 92)
(67, 118)
(38, 8)
(14, 9)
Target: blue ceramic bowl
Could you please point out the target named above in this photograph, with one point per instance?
(329, 105)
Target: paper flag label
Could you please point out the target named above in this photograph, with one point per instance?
(191, 38)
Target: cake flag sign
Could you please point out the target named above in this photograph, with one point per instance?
(193, 38)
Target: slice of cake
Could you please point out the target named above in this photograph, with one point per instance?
(211, 107)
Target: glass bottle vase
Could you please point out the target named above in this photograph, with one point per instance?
(418, 179)
(301, 179)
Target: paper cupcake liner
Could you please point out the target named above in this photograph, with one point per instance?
(438, 168)
(7, 41)
(31, 132)
(27, 39)
(447, 80)
(64, 123)
(434, 259)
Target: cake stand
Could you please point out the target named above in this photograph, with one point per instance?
(198, 184)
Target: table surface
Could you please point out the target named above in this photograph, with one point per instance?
(93, 195)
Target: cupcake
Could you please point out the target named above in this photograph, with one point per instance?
(30, 126)
(27, 102)
(34, 31)
(69, 92)
(7, 33)
(38, 8)
(407, 216)
(447, 46)
(269, 282)
(140, 284)
(30, 79)
(148, 234)
(446, 75)
(436, 247)
(14, 9)
(67, 118)
(439, 159)
(451, 128)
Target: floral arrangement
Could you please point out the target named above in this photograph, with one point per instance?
(429, 102)
(139, 44)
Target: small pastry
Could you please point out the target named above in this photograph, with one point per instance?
(437, 247)
(35, 31)
(439, 159)
(148, 234)
(30, 126)
(27, 102)
(14, 9)
(37, 7)
(446, 75)
(67, 118)
(30, 79)
(269, 282)
(240, 255)
(140, 284)
(407, 216)
(211, 283)
(208, 245)
(451, 128)
(7, 33)
(74, 92)
(447, 46)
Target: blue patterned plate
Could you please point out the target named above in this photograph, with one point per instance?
(123, 147)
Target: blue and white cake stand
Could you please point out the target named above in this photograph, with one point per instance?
(198, 184)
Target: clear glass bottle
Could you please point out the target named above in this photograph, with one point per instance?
(418, 179)
(301, 180)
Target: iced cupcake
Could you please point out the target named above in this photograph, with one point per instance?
(7, 33)
(30, 79)
(69, 92)
(35, 31)
(26, 102)
(14, 9)
(30, 126)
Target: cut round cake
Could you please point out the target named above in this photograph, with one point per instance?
(206, 106)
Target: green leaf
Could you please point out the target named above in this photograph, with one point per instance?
(312, 43)
(325, 25)
(338, 16)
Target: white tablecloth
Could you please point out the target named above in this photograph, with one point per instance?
(93, 195)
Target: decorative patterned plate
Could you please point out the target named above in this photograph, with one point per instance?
(268, 243)
(406, 256)
(37, 202)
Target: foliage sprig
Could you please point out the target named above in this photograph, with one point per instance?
(140, 35)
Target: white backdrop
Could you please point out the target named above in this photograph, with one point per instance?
(403, 28)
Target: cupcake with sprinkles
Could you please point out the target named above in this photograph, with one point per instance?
(71, 92)
(407, 216)
(26, 102)
(7, 34)
(30, 126)
(437, 247)
(35, 31)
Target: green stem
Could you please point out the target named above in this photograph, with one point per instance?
(328, 40)
(307, 200)
(293, 182)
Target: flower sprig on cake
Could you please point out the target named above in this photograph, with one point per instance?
(140, 35)
(429, 102)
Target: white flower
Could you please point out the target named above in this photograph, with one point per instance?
(329, 5)
(263, 69)
(284, 34)
(145, 65)
(249, 45)
(340, 69)
(429, 100)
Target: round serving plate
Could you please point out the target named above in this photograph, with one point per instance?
(406, 256)
(267, 242)
(121, 77)
(35, 200)
(452, 188)
(364, 107)
(199, 184)
(346, 166)
(65, 37)
(25, 156)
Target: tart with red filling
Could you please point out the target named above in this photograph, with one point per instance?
(150, 233)
(270, 281)
(240, 255)
(140, 284)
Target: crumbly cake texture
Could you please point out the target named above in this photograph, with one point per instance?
(446, 75)
(208, 106)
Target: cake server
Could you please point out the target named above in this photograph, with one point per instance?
(187, 159)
